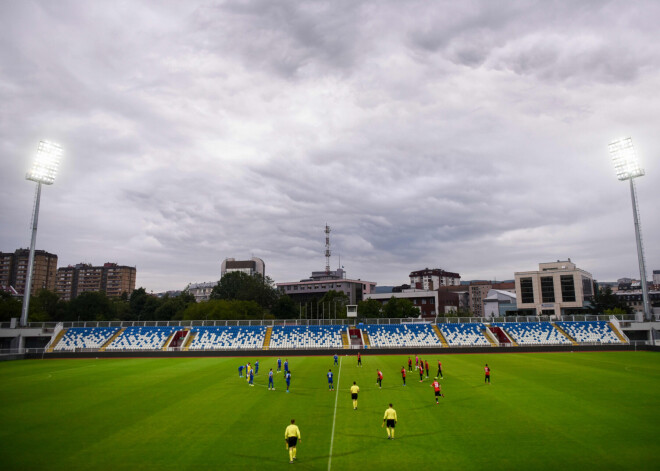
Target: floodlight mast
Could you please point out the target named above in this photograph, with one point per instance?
(627, 167)
(43, 170)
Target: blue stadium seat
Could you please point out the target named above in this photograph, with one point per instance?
(402, 335)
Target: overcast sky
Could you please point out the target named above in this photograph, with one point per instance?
(469, 136)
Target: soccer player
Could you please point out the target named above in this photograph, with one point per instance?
(416, 361)
(409, 364)
(248, 369)
(359, 359)
(271, 385)
(251, 379)
(336, 359)
(390, 419)
(440, 369)
(256, 367)
(331, 387)
(426, 366)
(487, 372)
(436, 386)
(403, 375)
(286, 365)
(379, 378)
(279, 365)
(287, 376)
(240, 371)
(421, 373)
(354, 392)
(291, 437)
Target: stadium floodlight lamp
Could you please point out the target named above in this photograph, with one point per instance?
(627, 167)
(43, 170)
(625, 160)
(46, 162)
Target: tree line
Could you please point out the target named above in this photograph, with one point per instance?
(237, 296)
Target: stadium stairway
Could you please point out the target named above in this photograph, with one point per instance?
(189, 340)
(59, 337)
(269, 332)
(440, 336)
(489, 336)
(365, 338)
(344, 340)
(111, 339)
(168, 340)
(564, 333)
(509, 336)
(618, 333)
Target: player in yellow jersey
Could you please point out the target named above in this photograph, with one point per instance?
(390, 419)
(354, 392)
(291, 437)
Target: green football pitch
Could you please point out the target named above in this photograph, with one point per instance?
(542, 411)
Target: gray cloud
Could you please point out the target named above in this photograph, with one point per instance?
(468, 136)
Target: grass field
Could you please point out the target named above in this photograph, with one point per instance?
(542, 411)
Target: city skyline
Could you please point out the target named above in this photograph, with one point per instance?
(469, 137)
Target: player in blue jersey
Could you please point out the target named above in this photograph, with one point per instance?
(336, 359)
(286, 365)
(251, 381)
(240, 371)
(279, 365)
(256, 367)
(271, 385)
(288, 380)
(331, 386)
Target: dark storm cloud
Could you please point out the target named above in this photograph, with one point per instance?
(470, 136)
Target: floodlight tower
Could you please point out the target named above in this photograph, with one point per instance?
(327, 249)
(627, 167)
(43, 170)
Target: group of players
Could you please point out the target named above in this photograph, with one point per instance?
(292, 432)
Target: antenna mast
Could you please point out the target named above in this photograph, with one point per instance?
(327, 249)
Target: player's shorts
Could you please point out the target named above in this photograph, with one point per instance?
(293, 441)
(391, 423)
(353, 396)
(437, 393)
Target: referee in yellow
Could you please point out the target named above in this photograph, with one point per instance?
(390, 419)
(291, 437)
(354, 392)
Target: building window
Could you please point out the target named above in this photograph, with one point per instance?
(547, 289)
(526, 291)
(567, 288)
(587, 288)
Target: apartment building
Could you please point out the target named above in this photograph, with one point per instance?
(254, 266)
(432, 279)
(113, 279)
(13, 270)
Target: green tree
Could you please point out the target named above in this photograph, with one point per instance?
(243, 287)
(285, 308)
(91, 306)
(222, 309)
(45, 307)
(606, 300)
(370, 308)
(335, 302)
(9, 307)
(173, 307)
(398, 307)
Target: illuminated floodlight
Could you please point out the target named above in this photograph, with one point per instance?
(625, 160)
(46, 162)
(44, 170)
(627, 168)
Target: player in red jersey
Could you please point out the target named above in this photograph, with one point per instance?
(426, 366)
(379, 378)
(421, 373)
(487, 372)
(409, 364)
(403, 375)
(440, 369)
(436, 386)
(359, 359)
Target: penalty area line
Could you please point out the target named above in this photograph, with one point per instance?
(334, 417)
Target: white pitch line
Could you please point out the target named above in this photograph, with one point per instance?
(334, 416)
